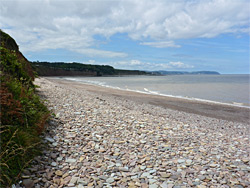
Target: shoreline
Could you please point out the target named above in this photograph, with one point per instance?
(205, 108)
(148, 92)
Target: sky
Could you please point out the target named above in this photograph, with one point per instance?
(180, 35)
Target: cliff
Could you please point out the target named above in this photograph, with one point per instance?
(22, 114)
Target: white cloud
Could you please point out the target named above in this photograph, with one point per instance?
(161, 44)
(180, 65)
(71, 24)
(100, 53)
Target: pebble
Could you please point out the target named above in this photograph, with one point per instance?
(100, 140)
(53, 164)
(49, 139)
(110, 180)
(70, 160)
(59, 173)
(28, 183)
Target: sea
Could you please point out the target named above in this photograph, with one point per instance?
(226, 89)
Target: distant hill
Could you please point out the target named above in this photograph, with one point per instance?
(79, 69)
(184, 73)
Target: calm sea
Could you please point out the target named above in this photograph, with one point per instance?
(231, 89)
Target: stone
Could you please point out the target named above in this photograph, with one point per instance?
(54, 144)
(53, 164)
(69, 160)
(201, 186)
(59, 158)
(59, 173)
(28, 183)
(73, 180)
(165, 175)
(164, 185)
(181, 160)
(145, 174)
(102, 177)
(151, 181)
(213, 165)
(143, 141)
(153, 186)
(49, 139)
(81, 181)
(110, 180)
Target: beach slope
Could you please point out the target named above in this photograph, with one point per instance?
(106, 138)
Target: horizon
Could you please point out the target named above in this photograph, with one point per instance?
(134, 35)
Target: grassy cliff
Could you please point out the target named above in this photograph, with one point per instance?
(79, 69)
(23, 115)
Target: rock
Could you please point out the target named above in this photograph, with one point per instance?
(59, 173)
(145, 174)
(124, 169)
(49, 139)
(164, 185)
(170, 185)
(102, 177)
(28, 183)
(201, 186)
(188, 162)
(110, 180)
(69, 160)
(153, 186)
(151, 181)
(213, 165)
(165, 175)
(81, 181)
(59, 158)
(73, 180)
(53, 164)
(71, 184)
(54, 144)
(181, 161)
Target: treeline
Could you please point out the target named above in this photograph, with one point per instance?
(22, 114)
(79, 69)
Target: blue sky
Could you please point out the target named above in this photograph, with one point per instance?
(140, 34)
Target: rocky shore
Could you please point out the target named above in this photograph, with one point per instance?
(98, 140)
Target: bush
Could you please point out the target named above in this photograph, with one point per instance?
(23, 116)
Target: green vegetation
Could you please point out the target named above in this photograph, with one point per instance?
(78, 69)
(23, 115)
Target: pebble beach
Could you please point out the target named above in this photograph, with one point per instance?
(97, 140)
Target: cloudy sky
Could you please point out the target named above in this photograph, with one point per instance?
(180, 35)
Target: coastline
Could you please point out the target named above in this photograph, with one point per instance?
(206, 108)
(100, 138)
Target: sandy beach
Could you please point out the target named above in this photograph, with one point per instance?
(102, 137)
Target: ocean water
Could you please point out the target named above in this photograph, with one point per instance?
(229, 89)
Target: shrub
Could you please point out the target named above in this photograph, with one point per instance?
(23, 115)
